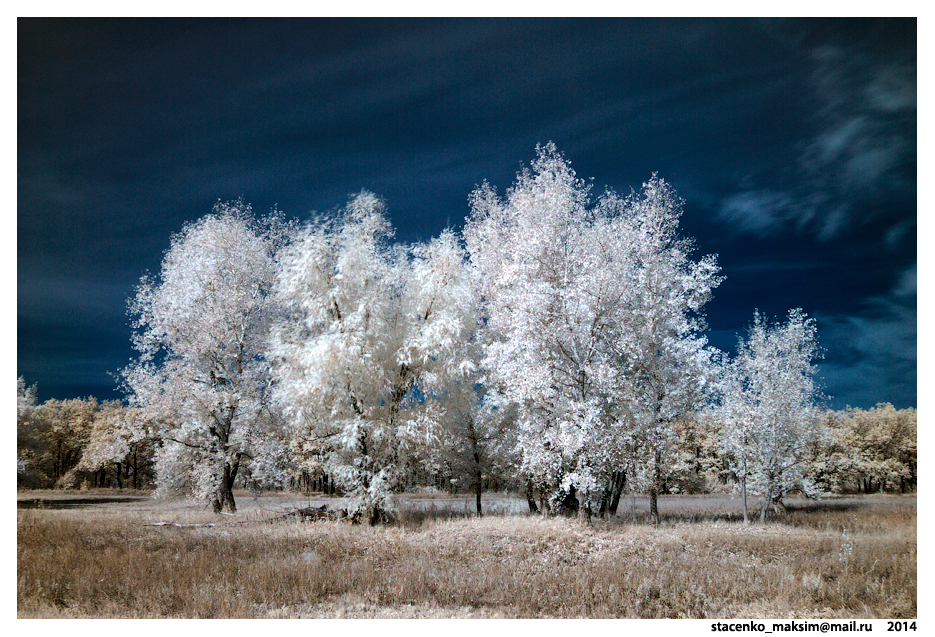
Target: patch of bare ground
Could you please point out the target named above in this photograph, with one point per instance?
(74, 563)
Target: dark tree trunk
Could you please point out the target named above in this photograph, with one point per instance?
(136, 469)
(478, 475)
(654, 492)
(746, 512)
(530, 498)
(569, 504)
(119, 477)
(225, 494)
(229, 500)
(610, 497)
(620, 481)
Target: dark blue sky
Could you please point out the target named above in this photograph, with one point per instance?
(793, 143)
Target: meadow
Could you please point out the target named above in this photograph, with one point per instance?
(125, 555)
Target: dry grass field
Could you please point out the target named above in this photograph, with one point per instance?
(137, 557)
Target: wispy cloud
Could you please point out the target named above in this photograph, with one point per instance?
(873, 353)
(765, 212)
(864, 150)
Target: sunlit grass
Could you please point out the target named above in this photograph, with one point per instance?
(104, 564)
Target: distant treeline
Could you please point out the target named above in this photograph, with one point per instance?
(82, 443)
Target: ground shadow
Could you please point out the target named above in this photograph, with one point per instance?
(73, 503)
(823, 507)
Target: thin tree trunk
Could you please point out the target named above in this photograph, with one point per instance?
(654, 492)
(478, 477)
(136, 469)
(614, 502)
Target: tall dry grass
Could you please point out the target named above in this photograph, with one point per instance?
(87, 564)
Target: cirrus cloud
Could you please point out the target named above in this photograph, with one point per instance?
(859, 161)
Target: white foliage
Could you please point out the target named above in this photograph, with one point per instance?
(478, 443)
(25, 398)
(594, 318)
(25, 425)
(546, 304)
(201, 331)
(668, 370)
(369, 333)
(770, 405)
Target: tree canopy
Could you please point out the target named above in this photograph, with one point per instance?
(555, 346)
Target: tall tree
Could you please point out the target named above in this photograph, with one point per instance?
(668, 369)
(201, 330)
(770, 408)
(550, 284)
(370, 333)
(595, 318)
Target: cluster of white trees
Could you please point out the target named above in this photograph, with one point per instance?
(371, 349)
(559, 341)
